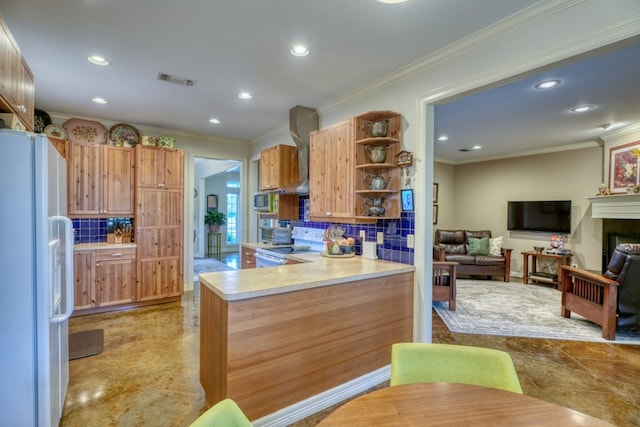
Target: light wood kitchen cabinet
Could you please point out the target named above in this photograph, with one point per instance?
(159, 223)
(84, 280)
(159, 167)
(247, 257)
(331, 173)
(115, 276)
(103, 277)
(100, 180)
(16, 80)
(278, 167)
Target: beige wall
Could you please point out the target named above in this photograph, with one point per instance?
(475, 197)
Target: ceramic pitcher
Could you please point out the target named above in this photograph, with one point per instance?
(377, 153)
(376, 182)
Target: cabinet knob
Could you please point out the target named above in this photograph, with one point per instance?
(160, 185)
(22, 109)
(327, 213)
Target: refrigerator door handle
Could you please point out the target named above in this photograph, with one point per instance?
(68, 265)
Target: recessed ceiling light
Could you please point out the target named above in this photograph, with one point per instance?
(443, 138)
(98, 60)
(99, 100)
(299, 50)
(476, 147)
(392, 1)
(547, 84)
(214, 121)
(245, 95)
(583, 108)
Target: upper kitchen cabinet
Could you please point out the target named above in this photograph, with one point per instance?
(378, 139)
(159, 167)
(352, 177)
(331, 173)
(16, 80)
(100, 180)
(278, 167)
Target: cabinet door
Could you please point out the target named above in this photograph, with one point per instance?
(319, 174)
(149, 164)
(84, 179)
(84, 278)
(159, 278)
(25, 94)
(173, 168)
(267, 169)
(331, 172)
(115, 281)
(342, 170)
(118, 169)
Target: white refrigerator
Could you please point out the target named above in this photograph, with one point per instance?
(36, 281)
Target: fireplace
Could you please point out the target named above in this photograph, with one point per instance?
(615, 232)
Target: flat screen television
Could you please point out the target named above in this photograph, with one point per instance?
(552, 216)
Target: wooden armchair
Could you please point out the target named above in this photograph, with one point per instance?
(444, 282)
(590, 295)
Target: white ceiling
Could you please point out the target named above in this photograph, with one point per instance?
(231, 46)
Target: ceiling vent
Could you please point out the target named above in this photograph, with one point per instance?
(177, 80)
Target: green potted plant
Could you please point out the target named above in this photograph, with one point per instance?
(214, 219)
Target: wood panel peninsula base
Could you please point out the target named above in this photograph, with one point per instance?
(299, 330)
(529, 270)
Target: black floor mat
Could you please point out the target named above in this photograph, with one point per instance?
(85, 343)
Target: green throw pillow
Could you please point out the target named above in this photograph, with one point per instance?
(479, 246)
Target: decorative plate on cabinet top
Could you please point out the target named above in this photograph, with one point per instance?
(56, 131)
(85, 131)
(123, 135)
(41, 120)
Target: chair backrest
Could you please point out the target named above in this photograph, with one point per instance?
(225, 413)
(624, 267)
(424, 362)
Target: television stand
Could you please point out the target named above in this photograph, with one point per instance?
(532, 274)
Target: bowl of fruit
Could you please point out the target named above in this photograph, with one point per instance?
(347, 245)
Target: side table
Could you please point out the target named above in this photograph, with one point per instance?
(539, 276)
(214, 244)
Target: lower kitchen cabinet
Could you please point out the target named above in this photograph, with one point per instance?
(115, 276)
(247, 257)
(159, 279)
(103, 278)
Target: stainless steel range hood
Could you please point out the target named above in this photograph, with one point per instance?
(302, 121)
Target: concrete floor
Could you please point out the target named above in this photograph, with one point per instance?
(148, 372)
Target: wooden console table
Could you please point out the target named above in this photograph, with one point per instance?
(538, 276)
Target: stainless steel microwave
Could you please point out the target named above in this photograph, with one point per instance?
(261, 202)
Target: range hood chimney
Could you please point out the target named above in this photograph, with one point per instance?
(302, 121)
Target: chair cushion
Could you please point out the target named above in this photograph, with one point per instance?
(489, 260)
(450, 237)
(461, 259)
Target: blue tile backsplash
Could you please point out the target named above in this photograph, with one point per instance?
(395, 232)
(93, 230)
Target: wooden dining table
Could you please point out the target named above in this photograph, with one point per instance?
(450, 404)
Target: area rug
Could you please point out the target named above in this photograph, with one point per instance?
(512, 309)
(208, 265)
(86, 343)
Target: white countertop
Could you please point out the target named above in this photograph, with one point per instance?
(316, 271)
(102, 245)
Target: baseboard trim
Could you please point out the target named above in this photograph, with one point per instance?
(321, 401)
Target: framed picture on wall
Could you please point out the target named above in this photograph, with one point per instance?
(435, 214)
(435, 192)
(212, 202)
(623, 167)
(406, 196)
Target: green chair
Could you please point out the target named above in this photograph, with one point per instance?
(225, 413)
(423, 362)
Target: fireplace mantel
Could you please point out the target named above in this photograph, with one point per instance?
(616, 206)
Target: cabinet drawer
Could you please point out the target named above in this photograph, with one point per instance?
(115, 254)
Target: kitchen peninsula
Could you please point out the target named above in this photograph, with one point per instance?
(275, 336)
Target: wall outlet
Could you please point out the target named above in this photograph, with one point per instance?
(380, 238)
(363, 235)
(411, 241)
